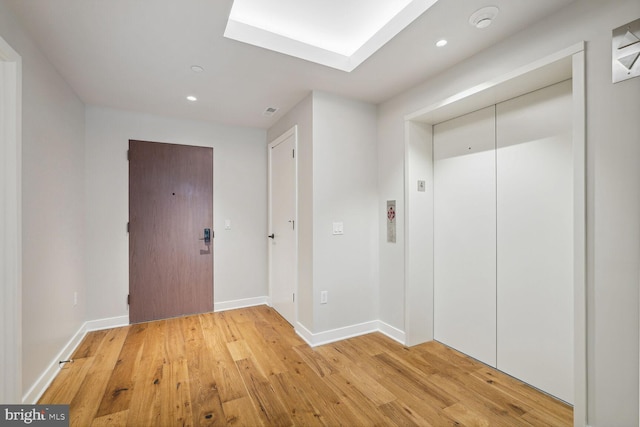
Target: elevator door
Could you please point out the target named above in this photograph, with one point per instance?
(503, 237)
(465, 234)
(535, 239)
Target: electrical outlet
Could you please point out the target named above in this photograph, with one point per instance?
(323, 297)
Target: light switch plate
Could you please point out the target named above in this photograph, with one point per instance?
(227, 224)
(422, 185)
(338, 228)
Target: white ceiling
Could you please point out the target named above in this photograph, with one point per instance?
(313, 30)
(136, 55)
(315, 22)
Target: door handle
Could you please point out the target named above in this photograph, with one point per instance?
(271, 236)
(207, 236)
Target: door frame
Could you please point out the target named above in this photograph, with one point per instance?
(291, 132)
(11, 223)
(565, 64)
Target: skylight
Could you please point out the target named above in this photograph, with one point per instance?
(337, 33)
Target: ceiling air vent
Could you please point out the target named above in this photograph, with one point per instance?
(270, 111)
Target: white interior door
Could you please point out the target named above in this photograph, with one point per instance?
(465, 234)
(282, 224)
(535, 239)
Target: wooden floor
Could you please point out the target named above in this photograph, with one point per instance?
(248, 368)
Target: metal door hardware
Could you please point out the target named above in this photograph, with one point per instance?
(207, 236)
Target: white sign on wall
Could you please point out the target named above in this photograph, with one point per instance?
(625, 51)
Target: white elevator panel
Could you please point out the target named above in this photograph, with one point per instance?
(535, 239)
(465, 234)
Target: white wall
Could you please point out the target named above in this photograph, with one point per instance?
(52, 205)
(391, 157)
(613, 199)
(240, 195)
(345, 186)
(418, 288)
(337, 182)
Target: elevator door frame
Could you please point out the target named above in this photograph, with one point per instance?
(568, 63)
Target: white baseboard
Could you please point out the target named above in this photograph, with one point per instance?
(41, 384)
(339, 334)
(392, 332)
(44, 381)
(108, 323)
(240, 303)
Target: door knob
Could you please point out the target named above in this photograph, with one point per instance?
(271, 236)
(207, 236)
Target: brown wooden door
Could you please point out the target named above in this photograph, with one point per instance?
(170, 206)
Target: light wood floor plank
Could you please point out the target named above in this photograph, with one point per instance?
(320, 366)
(327, 402)
(467, 417)
(145, 402)
(204, 384)
(89, 344)
(229, 329)
(228, 382)
(483, 400)
(88, 398)
(357, 376)
(296, 400)
(400, 414)
(120, 388)
(416, 383)
(415, 401)
(175, 397)
(263, 351)
(241, 412)
(554, 410)
(248, 367)
(72, 380)
(270, 408)
(117, 419)
(360, 410)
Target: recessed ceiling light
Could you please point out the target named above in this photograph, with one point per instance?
(197, 69)
(192, 98)
(482, 18)
(441, 43)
